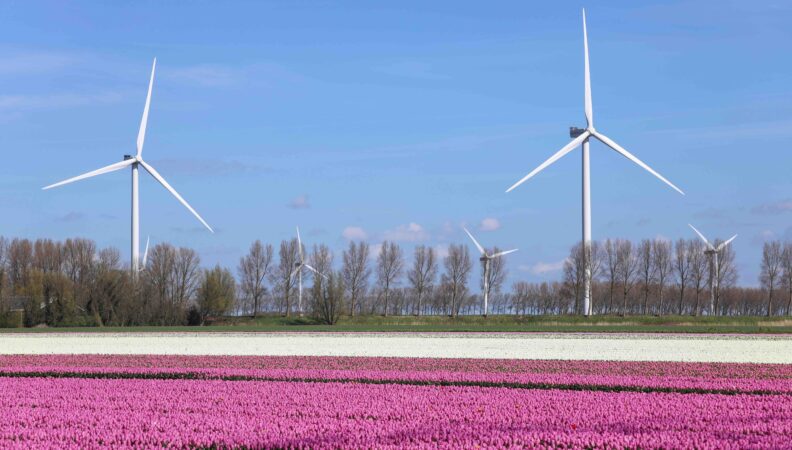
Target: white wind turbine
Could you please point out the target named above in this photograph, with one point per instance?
(298, 270)
(713, 253)
(486, 258)
(145, 256)
(581, 137)
(134, 162)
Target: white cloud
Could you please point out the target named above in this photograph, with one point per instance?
(489, 224)
(411, 232)
(763, 236)
(780, 207)
(441, 251)
(542, 268)
(300, 202)
(354, 233)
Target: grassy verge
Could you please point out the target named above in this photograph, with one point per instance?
(645, 324)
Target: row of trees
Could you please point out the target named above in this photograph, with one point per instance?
(75, 283)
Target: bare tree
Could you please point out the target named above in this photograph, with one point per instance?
(253, 270)
(423, 273)
(457, 269)
(282, 277)
(390, 264)
(628, 266)
(771, 270)
(661, 250)
(787, 276)
(726, 274)
(647, 270)
(495, 275)
(328, 297)
(574, 273)
(698, 271)
(611, 270)
(355, 273)
(681, 268)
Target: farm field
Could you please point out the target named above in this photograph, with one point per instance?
(472, 323)
(535, 346)
(86, 401)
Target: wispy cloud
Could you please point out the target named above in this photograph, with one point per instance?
(206, 75)
(489, 224)
(299, 202)
(354, 233)
(72, 216)
(412, 232)
(763, 236)
(720, 133)
(542, 268)
(26, 103)
(774, 208)
(34, 62)
(207, 167)
(412, 69)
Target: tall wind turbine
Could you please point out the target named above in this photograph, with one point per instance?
(298, 270)
(581, 137)
(134, 162)
(713, 253)
(486, 259)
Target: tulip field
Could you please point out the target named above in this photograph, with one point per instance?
(167, 401)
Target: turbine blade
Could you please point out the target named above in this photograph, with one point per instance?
(587, 100)
(478, 246)
(299, 244)
(498, 255)
(291, 275)
(144, 120)
(723, 245)
(709, 246)
(106, 169)
(619, 149)
(566, 149)
(316, 272)
(145, 253)
(170, 189)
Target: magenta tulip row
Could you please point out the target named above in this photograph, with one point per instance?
(64, 413)
(589, 375)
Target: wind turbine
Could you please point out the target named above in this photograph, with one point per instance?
(134, 162)
(298, 269)
(581, 137)
(486, 258)
(713, 253)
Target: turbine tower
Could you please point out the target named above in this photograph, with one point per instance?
(298, 269)
(486, 258)
(135, 162)
(581, 138)
(713, 253)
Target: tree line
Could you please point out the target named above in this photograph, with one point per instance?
(74, 283)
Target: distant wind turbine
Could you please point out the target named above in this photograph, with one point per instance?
(581, 137)
(486, 259)
(298, 269)
(134, 162)
(713, 253)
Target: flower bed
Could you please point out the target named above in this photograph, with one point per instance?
(587, 375)
(88, 413)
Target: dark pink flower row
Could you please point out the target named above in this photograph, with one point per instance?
(123, 413)
(681, 377)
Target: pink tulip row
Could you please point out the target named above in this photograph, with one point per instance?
(126, 413)
(670, 377)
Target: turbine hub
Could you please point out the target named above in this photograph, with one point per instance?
(575, 131)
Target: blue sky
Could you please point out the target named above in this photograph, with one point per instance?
(398, 120)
